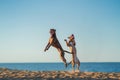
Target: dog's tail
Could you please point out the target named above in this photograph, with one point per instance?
(67, 51)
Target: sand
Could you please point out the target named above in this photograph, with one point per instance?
(8, 74)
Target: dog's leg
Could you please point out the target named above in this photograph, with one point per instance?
(50, 42)
(46, 48)
(62, 56)
(78, 65)
(67, 43)
(73, 66)
(70, 63)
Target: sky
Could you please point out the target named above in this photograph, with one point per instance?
(25, 25)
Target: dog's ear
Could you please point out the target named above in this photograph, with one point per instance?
(53, 30)
(72, 36)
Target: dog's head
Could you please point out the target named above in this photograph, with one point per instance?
(72, 39)
(52, 32)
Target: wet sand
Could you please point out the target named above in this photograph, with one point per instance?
(8, 74)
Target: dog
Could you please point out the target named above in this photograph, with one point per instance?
(53, 41)
(71, 44)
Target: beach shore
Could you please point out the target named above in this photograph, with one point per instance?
(8, 74)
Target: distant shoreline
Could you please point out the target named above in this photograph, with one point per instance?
(53, 62)
(9, 74)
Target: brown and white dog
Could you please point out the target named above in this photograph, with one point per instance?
(53, 41)
(71, 44)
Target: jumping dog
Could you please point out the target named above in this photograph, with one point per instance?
(53, 41)
(71, 44)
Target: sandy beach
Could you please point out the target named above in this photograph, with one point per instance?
(8, 74)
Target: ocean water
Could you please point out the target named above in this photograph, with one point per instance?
(84, 67)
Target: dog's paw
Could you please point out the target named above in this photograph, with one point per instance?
(65, 40)
(45, 50)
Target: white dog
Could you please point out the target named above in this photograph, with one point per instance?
(71, 44)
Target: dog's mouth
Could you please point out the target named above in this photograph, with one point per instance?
(68, 37)
(50, 32)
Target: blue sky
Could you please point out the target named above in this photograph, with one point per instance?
(25, 24)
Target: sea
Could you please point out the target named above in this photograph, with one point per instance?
(84, 66)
